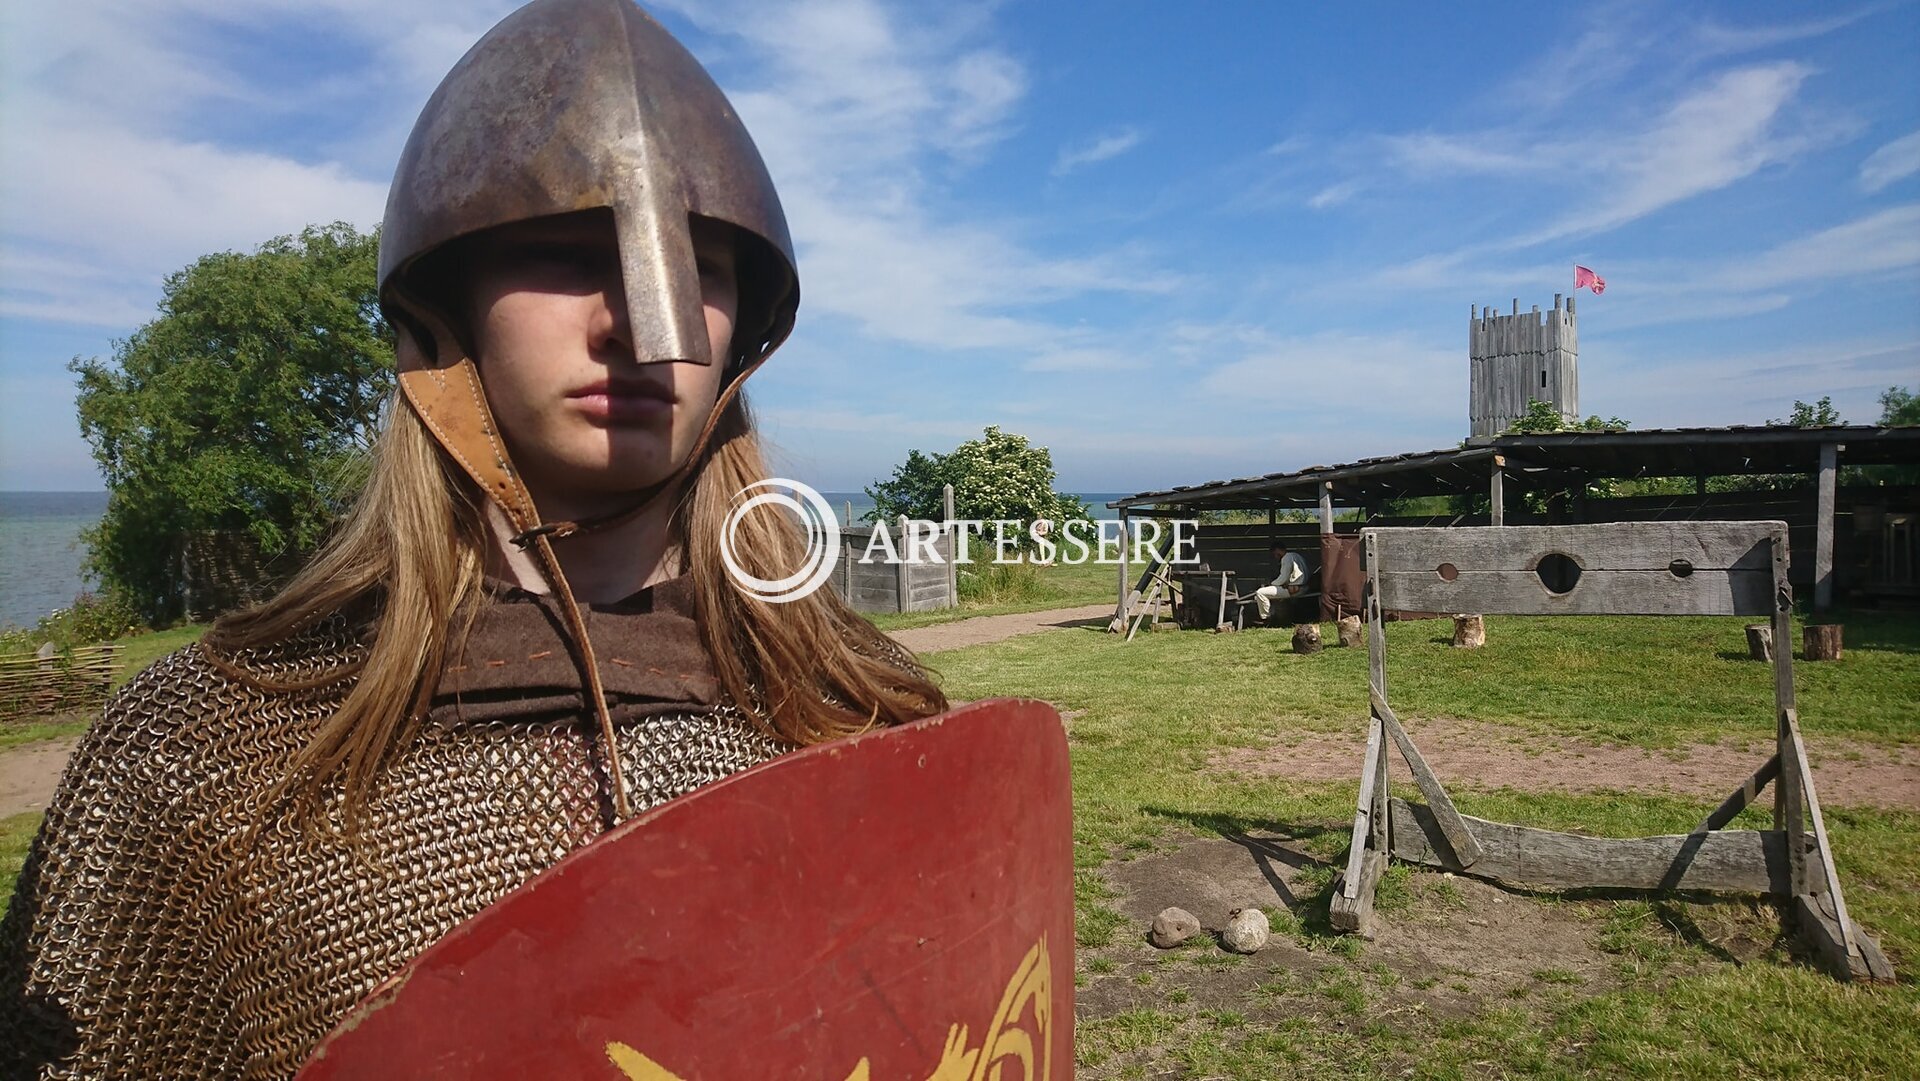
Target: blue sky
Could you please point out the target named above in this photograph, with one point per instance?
(1172, 242)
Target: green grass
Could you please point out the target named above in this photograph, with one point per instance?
(16, 834)
(1154, 712)
(1058, 586)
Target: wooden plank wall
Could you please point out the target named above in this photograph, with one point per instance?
(882, 587)
(1794, 507)
(1516, 358)
(1653, 568)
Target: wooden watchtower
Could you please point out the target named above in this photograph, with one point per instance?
(1520, 358)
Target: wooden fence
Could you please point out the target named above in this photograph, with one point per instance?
(47, 682)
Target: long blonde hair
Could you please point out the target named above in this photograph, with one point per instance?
(408, 563)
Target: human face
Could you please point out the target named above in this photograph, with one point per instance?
(583, 419)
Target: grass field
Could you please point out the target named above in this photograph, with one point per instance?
(1148, 719)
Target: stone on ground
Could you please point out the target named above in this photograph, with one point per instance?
(1172, 927)
(1247, 931)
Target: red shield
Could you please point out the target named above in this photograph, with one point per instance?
(895, 905)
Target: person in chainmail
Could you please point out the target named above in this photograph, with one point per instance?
(522, 634)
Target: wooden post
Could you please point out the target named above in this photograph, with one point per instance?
(953, 548)
(1497, 498)
(903, 585)
(1326, 507)
(1469, 632)
(1821, 641)
(1350, 632)
(849, 512)
(1760, 641)
(1306, 638)
(1823, 529)
(1120, 609)
(1789, 805)
(846, 568)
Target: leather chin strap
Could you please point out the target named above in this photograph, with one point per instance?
(447, 395)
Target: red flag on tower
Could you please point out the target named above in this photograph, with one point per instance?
(1587, 279)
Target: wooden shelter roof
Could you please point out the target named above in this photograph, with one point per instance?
(1553, 459)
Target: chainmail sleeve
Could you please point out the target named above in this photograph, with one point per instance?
(103, 970)
(174, 920)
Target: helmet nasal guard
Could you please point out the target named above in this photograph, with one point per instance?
(577, 104)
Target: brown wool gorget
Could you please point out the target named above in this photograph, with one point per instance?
(147, 940)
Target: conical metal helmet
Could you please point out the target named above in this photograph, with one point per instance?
(569, 105)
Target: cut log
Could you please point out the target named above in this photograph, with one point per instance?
(1469, 632)
(1821, 641)
(1351, 633)
(1306, 638)
(1760, 641)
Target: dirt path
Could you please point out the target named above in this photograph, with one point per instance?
(28, 774)
(983, 629)
(1847, 772)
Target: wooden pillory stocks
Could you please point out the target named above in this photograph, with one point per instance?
(1639, 568)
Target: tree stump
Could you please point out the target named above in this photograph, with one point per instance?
(1760, 641)
(1350, 632)
(1306, 638)
(1822, 641)
(1469, 632)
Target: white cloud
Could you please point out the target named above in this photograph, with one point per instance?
(1334, 194)
(1399, 374)
(1742, 387)
(1712, 137)
(1888, 240)
(1897, 160)
(1719, 38)
(1428, 154)
(1110, 145)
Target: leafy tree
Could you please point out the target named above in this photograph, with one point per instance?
(1898, 405)
(1804, 415)
(246, 407)
(999, 475)
(1545, 417)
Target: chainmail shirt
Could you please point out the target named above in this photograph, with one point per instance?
(148, 938)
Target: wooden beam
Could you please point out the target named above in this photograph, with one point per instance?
(1820, 928)
(1830, 877)
(1732, 806)
(1744, 861)
(1498, 491)
(1364, 810)
(1625, 568)
(1452, 824)
(1823, 529)
(1326, 507)
(1355, 914)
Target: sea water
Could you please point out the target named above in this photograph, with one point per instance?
(41, 552)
